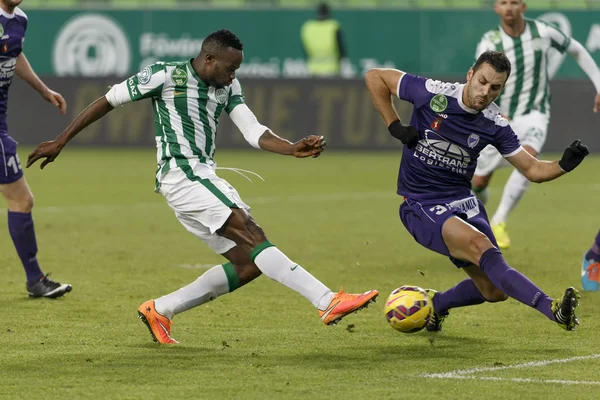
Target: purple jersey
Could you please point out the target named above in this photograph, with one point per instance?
(12, 35)
(451, 136)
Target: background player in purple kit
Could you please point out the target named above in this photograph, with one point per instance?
(590, 268)
(14, 188)
(450, 125)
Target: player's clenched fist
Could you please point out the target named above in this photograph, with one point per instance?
(407, 134)
(310, 146)
(573, 156)
(48, 150)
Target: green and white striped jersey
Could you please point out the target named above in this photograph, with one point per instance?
(186, 112)
(527, 88)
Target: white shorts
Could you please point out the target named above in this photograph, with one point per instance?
(531, 129)
(202, 203)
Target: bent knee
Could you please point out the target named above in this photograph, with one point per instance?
(494, 295)
(23, 204)
(478, 243)
(247, 272)
(242, 229)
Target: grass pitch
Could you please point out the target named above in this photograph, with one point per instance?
(101, 228)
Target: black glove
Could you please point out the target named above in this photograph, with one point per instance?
(573, 156)
(407, 134)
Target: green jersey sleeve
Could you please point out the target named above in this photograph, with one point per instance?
(145, 84)
(236, 96)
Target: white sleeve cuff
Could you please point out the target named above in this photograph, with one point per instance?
(514, 152)
(118, 95)
(247, 123)
(398, 85)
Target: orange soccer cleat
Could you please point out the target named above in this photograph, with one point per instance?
(159, 325)
(344, 303)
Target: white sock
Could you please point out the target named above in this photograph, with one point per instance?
(514, 189)
(209, 286)
(277, 266)
(482, 195)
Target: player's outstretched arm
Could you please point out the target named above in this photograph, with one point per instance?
(25, 72)
(51, 149)
(587, 64)
(310, 146)
(261, 137)
(543, 171)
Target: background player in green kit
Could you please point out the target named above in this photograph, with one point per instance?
(525, 100)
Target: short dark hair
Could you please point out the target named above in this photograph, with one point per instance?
(220, 40)
(323, 10)
(496, 59)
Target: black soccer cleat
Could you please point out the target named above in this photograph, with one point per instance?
(46, 287)
(436, 320)
(563, 309)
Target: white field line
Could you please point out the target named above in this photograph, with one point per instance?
(530, 364)
(519, 380)
(469, 373)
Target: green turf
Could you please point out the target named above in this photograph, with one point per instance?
(101, 228)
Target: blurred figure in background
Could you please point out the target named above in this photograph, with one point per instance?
(590, 272)
(525, 101)
(13, 186)
(323, 44)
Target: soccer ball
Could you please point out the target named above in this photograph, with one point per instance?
(408, 309)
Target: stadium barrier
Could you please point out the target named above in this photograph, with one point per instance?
(96, 43)
(339, 109)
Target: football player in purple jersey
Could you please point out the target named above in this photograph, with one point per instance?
(450, 125)
(14, 188)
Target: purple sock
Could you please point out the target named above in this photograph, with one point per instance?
(594, 252)
(463, 294)
(514, 283)
(20, 226)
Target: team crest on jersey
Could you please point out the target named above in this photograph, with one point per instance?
(1, 30)
(473, 140)
(438, 103)
(179, 76)
(144, 75)
(221, 95)
(494, 37)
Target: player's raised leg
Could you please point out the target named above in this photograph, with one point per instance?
(219, 217)
(217, 281)
(423, 222)
(15, 190)
(244, 231)
(514, 189)
(590, 269)
(467, 243)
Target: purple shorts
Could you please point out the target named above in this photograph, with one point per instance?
(424, 220)
(10, 166)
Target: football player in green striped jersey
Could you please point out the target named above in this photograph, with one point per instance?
(187, 98)
(525, 100)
